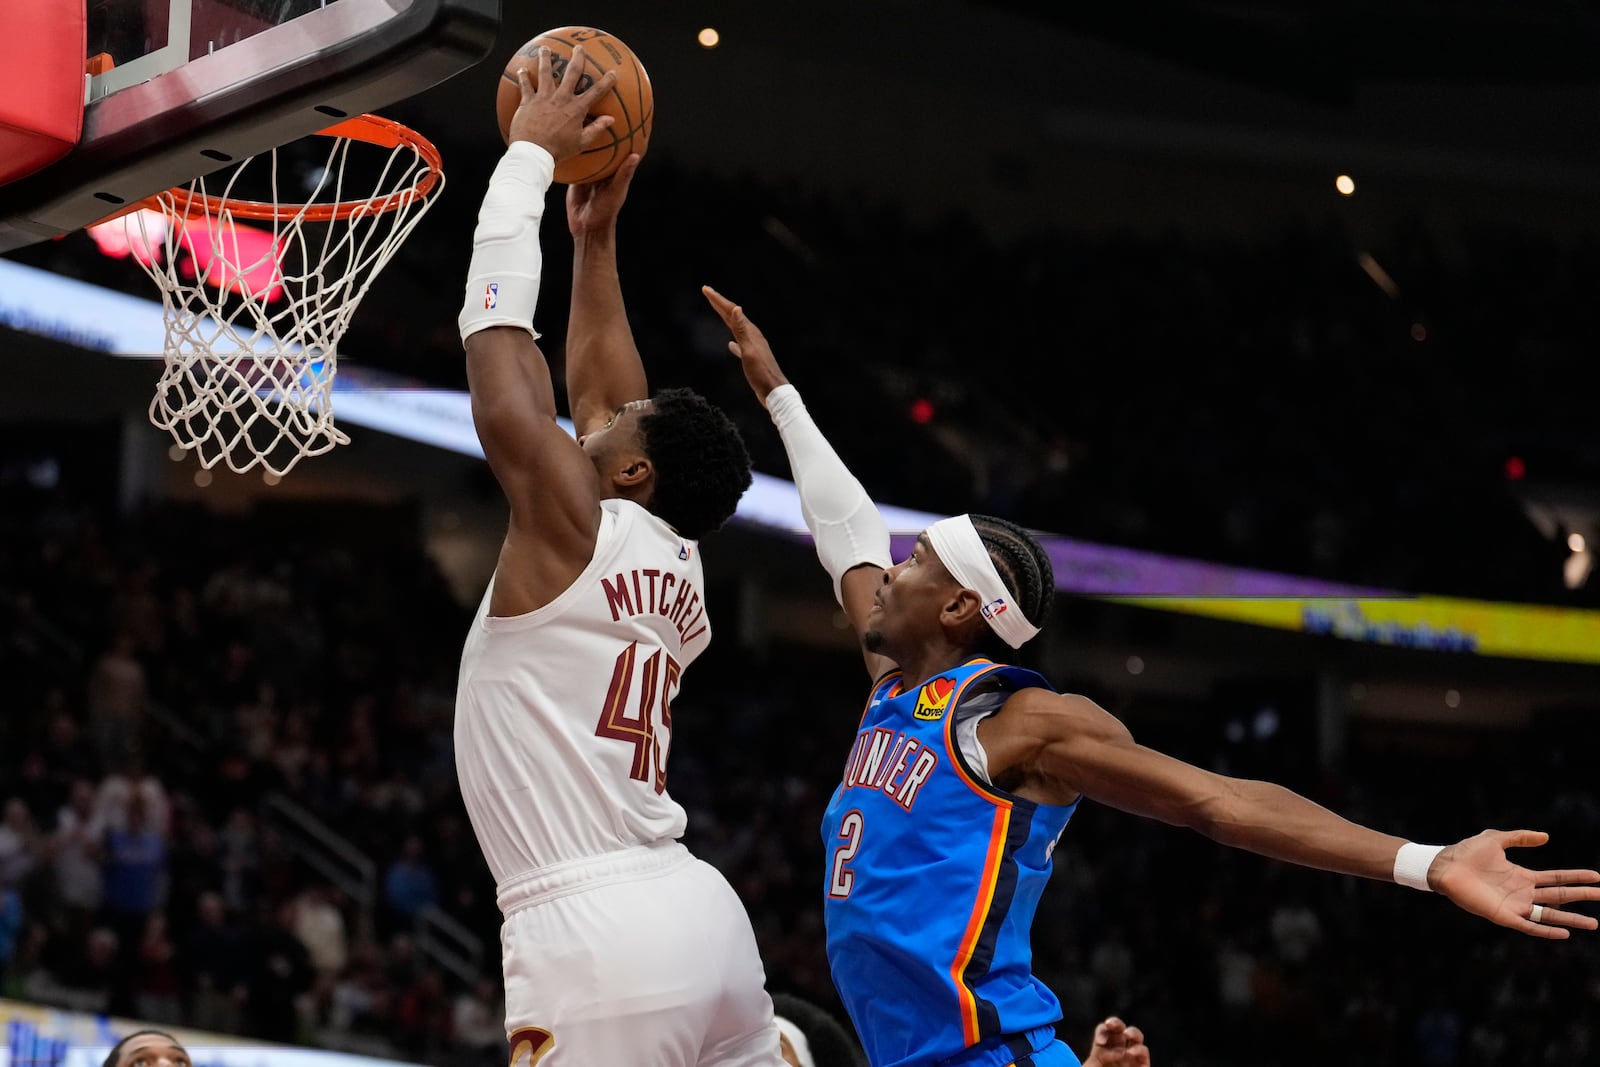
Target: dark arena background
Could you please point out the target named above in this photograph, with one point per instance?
(1232, 299)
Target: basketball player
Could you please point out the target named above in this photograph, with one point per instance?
(619, 946)
(147, 1048)
(965, 771)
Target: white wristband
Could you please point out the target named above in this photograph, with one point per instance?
(1411, 864)
(503, 279)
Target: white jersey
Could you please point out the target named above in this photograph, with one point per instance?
(563, 715)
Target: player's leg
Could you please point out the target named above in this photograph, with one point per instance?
(632, 971)
(740, 1030)
(594, 971)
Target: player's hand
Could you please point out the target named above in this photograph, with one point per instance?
(1478, 877)
(750, 345)
(593, 206)
(551, 113)
(1116, 1044)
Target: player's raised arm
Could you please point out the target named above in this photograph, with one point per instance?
(550, 483)
(604, 371)
(1062, 746)
(851, 537)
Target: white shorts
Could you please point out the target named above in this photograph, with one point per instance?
(638, 958)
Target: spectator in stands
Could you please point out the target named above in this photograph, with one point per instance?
(319, 924)
(410, 886)
(126, 780)
(478, 1017)
(19, 842)
(76, 847)
(279, 974)
(11, 925)
(215, 959)
(135, 871)
(116, 700)
(157, 985)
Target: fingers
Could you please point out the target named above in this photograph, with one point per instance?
(545, 77)
(721, 305)
(574, 77)
(591, 133)
(525, 82)
(1135, 1036)
(1567, 894)
(1565, 878)
(1521, 838)
(624, 175)
(1533, 929)
(1108, 1031)
(1551, 917)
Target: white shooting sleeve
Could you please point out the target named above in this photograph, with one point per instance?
(843, 521)
(503, 280)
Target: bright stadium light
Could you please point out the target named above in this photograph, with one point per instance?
(1345, 184)
(709, 38)
(1576, 542)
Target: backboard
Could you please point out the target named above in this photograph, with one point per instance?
(181, 88)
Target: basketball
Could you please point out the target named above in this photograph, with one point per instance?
(631, 103)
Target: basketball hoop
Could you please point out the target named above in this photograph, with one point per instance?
(254, 315)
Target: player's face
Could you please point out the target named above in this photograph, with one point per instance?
(618, 435)
(152, 1050)
(906, 608)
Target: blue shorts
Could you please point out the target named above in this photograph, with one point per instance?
(1012, 1050)
(1054, 1054)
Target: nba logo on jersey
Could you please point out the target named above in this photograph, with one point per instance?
(683, 550)
(997, 606)
(933, 699)
(491, 296)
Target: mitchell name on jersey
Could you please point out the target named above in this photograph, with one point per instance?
(649, 590)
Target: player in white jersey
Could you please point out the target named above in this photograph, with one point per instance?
(620, 948)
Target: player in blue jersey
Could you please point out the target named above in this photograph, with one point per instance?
(965, 771)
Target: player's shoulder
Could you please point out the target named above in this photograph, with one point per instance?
(1033, 701)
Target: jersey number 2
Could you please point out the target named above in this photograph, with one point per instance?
(841, 878)
(649, 747)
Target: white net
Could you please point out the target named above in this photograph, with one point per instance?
(256, 296)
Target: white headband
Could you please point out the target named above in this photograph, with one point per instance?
(797, 1041)
(961, 550)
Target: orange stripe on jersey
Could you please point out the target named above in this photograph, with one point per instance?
(950, 740)
(980, 913)
(893, 692)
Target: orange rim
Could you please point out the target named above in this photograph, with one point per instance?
(370, 129)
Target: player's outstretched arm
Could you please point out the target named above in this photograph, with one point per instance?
(547, 479)
(604, 371)
(851, 537)
(1116, 1044)
(1061, 746)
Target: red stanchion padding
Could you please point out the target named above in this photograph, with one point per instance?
(41, 83)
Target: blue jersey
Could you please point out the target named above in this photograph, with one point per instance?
(933, 878)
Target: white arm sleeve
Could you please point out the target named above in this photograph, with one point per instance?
(841, 517)
(503, 280)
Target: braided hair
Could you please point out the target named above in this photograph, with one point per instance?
(1025, 569)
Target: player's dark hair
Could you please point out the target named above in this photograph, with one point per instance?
(701, 466)
(1025, 569)
(831, 1045)
(116, 1050)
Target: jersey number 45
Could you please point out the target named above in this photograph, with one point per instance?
(650, 746)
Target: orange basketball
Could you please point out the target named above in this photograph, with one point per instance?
(631, 104)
